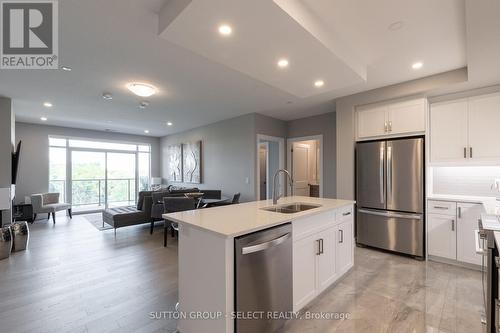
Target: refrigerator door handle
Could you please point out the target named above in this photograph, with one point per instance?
(381, 174)
(391, 214)
(389, 172)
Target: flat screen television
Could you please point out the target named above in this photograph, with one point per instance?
(15, 162)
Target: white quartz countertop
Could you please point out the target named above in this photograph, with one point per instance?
(241, 219)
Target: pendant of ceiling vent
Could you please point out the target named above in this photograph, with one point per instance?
(143, 104)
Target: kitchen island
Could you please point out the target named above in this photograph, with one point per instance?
(322, 239)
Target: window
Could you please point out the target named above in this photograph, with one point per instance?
(93, 175)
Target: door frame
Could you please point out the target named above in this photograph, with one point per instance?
(281, 144)
(266, 146)
(289, 143)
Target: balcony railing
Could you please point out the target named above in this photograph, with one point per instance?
(92, 192)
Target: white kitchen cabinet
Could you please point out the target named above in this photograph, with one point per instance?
(322, 253)
(441, 236)
(305, 252)
(344, 245)
(326, 259)
(465, 131)
(400, 118)
(407, 117)
(468, 215)
(484, 132)
(372, 121)
(448, 131)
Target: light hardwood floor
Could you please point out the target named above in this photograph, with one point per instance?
(75, 278)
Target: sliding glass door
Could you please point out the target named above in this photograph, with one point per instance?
(94, 175)
(120, 182)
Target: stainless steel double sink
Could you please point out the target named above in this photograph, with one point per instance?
(292, 208)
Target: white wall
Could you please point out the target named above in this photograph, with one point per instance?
(33, 174)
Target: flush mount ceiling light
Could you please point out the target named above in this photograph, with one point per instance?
(107, 96)
(417, 65)
(225, 30)
(169, 123)
(146, 131)
(282, 63)
(47, 104)
(141, 89)
(319, 83)
(43, 118)
(66, 68)
(396, 25)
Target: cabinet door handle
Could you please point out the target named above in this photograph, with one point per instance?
(465, 152)
(390, 126)
(470, 152)
(341, 232)
(452, 225)
(346, 214)
(318, 252)
(322, 250)
(459, 212)
(385, 127)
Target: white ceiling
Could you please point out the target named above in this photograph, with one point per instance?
(203, 78)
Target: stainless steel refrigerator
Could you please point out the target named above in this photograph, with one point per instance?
(390, 195)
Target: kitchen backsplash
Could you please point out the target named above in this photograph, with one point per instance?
(472, 181)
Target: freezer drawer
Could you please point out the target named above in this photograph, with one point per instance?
(394, 231)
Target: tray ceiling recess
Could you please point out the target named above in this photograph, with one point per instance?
(262, 34)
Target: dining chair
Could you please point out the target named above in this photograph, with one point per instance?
(173, 205)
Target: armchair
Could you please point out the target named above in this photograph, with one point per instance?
(49, 203)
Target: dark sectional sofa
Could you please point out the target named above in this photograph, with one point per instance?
(149, 208)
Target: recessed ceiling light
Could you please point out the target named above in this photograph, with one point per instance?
(396, 25)
(43, 118)
(282, 63)
(146, 131)
(169, 123)
(225, 30)
(107, 96)
(66, 68)
(319, 83)
(47, 104)
(141, 89)
(417, 65)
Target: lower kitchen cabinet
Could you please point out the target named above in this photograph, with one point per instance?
(344, 246)
(467, 216)
(442, 236)
(320, 259)
(451, 235)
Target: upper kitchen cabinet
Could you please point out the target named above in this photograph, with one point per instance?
(465, 131)
(448, 128)
(388, 120)
(484, 133)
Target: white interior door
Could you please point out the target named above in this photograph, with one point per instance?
(300, 169)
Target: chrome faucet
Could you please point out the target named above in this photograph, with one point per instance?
(276, 195)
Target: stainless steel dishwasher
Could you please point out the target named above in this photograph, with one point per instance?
(263, 279)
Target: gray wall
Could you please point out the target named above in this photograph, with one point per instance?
(324, 124)
(229, 150)
(7, 137)
(345, 108)
(228, 155)
(34, 165)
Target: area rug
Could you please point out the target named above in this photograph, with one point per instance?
(96, 221)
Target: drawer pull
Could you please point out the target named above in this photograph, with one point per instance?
(346, 214)
(441, 207)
